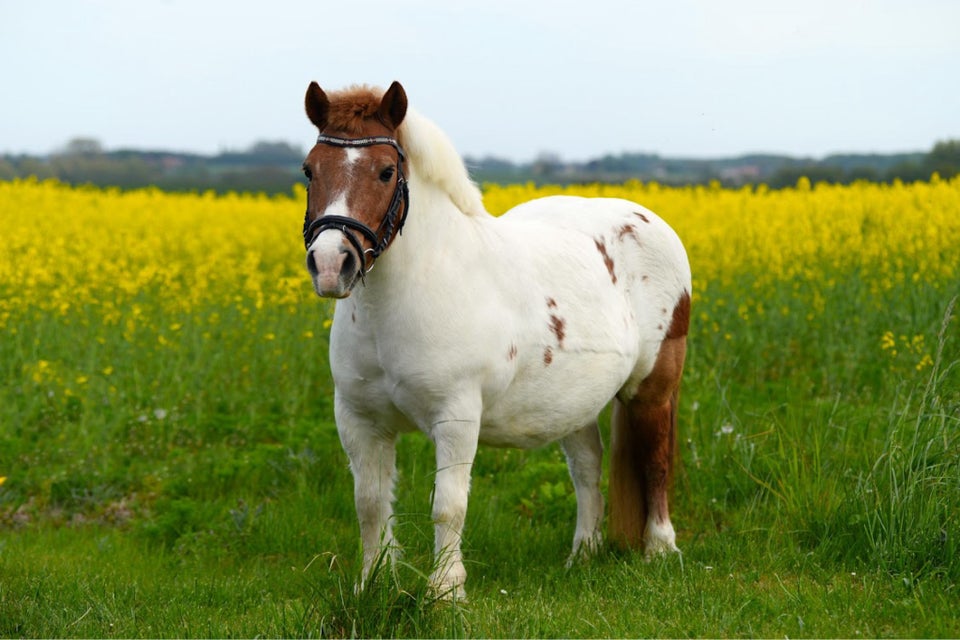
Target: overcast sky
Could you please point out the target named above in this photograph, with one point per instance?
(509, 78)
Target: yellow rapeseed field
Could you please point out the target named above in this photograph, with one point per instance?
(892, 233)
(68, 247)
(117, 254)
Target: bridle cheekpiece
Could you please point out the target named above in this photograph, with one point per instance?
(398, 207)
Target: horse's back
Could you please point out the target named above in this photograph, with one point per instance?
(643, 254)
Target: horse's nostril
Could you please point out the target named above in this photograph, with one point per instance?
(349, 266)
(312, 264)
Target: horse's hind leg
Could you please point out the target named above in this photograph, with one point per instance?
(584, 453)
(643, 440)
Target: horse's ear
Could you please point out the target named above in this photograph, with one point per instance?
(318, 106)
(393, 106)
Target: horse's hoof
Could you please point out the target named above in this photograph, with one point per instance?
(584, 550)
(659, 540)
(452, 594)
(447, 582)
(659, 549)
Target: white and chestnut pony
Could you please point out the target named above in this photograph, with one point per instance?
(511, 331)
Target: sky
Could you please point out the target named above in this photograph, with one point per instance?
(507, 78)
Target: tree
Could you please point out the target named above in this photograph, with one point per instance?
(275, 153)
(83, 147)
(944, 158)
(547, 164)
(7, 170)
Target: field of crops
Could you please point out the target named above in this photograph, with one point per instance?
(169, 464)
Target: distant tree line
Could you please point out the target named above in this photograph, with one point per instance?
(273, 167)
(776, 171)
(270, 167)
(943, 159)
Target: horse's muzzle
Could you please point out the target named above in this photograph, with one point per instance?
(334, 270)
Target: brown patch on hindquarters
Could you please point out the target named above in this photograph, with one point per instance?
(643, 438)
(607, 260)
(643, 447)
(680, 324)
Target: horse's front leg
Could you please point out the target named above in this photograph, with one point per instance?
(456, 446)
(373, 457)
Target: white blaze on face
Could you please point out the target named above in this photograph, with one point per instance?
(353, 155)
(326, 247)
(326, 250)
(338, 205)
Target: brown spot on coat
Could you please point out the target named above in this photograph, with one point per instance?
(628, 229)
(512, 353)
(641, 216)
(558, 326)
(607, 260)
(680, 323)
(551, 303)
(547, 356)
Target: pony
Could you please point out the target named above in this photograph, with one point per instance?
(511, 331)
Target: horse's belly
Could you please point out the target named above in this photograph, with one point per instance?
(550, 400)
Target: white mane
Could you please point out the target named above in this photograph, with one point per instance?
(436, 160)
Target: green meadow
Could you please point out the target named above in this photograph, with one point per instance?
(194, 486)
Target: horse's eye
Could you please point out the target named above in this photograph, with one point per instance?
(307, 172)
(386, 175)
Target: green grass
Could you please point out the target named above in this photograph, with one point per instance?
(201, 490)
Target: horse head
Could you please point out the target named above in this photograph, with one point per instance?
(357, 193)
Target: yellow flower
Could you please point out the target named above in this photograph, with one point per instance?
(888, 342)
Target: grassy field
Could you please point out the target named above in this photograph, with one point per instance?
(170, 466)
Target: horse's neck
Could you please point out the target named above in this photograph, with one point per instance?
(436, 236)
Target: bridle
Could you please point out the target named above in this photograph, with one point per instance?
(398, 207)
